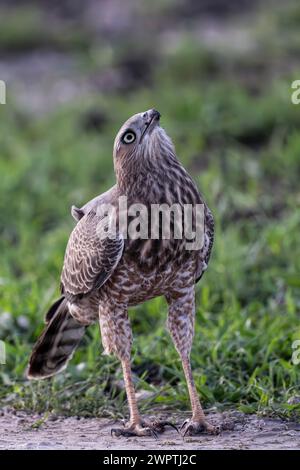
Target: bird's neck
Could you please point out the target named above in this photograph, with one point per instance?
(142, 178)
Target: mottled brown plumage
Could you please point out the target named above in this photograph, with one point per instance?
(101, 278)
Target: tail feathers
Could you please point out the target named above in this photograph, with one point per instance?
(57, 343)
(53, 309)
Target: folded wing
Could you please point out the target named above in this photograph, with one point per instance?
(92, 254)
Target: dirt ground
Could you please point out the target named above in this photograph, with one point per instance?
(20, 430)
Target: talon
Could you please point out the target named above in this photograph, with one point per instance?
(115, 432)
(168, 423)
(183, 424)
(196, 427)
(143, 428)
(122, 432)
(186, 431)
(216, 430)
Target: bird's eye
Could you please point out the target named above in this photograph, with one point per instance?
(128, 137)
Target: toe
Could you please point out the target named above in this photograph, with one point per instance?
(190, 428)
(117, 432)
(184, 424)
(160, 426)
(215, 430)
(143, 428)
(136, 430)
(147, 431)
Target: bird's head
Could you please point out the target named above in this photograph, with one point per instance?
(141, 140)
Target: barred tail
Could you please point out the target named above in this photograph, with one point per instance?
(57, 342)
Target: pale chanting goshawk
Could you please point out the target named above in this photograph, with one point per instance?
(103, 276)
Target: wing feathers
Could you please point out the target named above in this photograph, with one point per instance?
(90, 259)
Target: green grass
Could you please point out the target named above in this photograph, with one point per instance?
(243, 150)
(26, 28)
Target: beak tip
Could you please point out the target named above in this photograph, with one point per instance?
(156, 114)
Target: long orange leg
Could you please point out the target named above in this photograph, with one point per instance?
(181, 326)
(117, 339)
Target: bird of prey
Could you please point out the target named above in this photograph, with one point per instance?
(103, 276)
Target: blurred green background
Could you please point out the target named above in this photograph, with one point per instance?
(220, 72)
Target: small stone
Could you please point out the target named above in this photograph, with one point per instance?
(23, 322)
(294, 400)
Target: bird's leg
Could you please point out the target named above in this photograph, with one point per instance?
(117, 339)
(136, 426)
(198, 422)
(181, 326)
(134, 415)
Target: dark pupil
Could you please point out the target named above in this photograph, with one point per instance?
(129, 137)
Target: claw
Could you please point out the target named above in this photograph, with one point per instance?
(195, 427)
(217, 430)
(183, 424)
(168, 423)
(122, 432)
(143, 428)
(188, 429)
(115, 432)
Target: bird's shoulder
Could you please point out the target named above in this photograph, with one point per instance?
(105, 198)
(91, 255)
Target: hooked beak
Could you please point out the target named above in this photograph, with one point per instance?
(151, 118)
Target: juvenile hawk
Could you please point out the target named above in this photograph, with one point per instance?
(103, 276)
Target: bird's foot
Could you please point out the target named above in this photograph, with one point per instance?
(192, 426)
(142, 428)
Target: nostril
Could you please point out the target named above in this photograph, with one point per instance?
(145, 115)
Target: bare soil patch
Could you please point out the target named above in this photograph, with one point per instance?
(20, 430)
